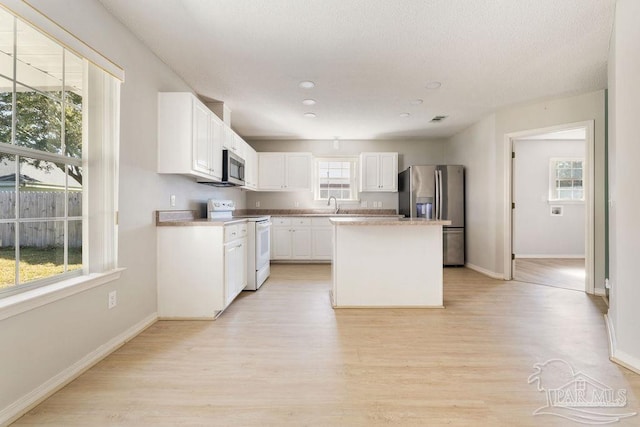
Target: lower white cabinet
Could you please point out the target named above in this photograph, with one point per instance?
(301, 238)
(201, 269)
(321, 239)
(291, 238)
(235, 268)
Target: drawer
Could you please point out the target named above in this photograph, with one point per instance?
(242, 229)
(300, 221)
(232, 232)
(281, 221)
(320, 222)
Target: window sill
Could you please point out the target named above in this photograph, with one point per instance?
(29, 300)
(565, 202)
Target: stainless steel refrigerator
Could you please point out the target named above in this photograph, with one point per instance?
(436, 192)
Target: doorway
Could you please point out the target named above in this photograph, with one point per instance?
(550, 232)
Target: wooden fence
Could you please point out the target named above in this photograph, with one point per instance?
(40, 204)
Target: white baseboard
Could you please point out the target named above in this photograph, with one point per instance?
(27, 402)
(486, 272)
(549, 256)
(620, 357)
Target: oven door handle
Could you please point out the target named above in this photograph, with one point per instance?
(266, 224)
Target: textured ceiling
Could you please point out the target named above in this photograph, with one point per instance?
(371, 58)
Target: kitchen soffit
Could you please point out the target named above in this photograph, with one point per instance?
(370, 58)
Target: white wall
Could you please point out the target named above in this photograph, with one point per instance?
(485, 243)
(474, 149)
(409, 153)
(624, 175)
(589, 106)
(43, 342)
(535, 231)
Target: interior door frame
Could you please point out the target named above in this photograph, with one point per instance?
(589, 196)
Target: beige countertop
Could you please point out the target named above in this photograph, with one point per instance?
(348, 212)
(186, 218)
(387, 221)
(338, 215)
(190, 218)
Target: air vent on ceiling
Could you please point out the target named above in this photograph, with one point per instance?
(437, 119)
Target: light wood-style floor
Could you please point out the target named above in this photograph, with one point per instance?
(282, 357)
(567, 273)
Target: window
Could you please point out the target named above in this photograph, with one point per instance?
(336, 177)
(44, 90)
(566, 183)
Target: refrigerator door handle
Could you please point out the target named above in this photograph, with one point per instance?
(440, 194)
(437, 207)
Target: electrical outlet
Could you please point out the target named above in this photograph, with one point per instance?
(257, 203)
(113, 299)
(173, 200)
(296, 204)
(379, 204)
(363, 204)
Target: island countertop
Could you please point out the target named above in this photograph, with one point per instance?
(387, 221)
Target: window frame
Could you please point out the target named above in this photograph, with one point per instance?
(353, 179)
(100, 143)
(553, 180)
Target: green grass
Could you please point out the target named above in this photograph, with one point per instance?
(36, 263)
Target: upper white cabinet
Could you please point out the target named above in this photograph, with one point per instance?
(379, 172)
(189, 137)
(229, 139)
(250, 168)
(217, 134)
(284, 171)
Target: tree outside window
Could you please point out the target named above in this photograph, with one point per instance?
(41, 125)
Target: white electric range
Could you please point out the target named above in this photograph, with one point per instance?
(258, 240)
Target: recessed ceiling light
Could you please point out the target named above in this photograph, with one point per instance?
(309, 102)
(404, 115)
(417, 102)
(307, 84)
(310, 115)
(433, 85)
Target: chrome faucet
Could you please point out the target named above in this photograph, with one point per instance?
(335, 201)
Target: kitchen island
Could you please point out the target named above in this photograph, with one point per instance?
(387, 262)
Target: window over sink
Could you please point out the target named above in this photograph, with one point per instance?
(336, 177)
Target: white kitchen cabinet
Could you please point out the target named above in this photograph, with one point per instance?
(379, 172)
(284, 171)
(200, 269)
(202, 160)
(217, 134)
(229, 139)
(189, 139)
(250, 168)
(321, 239)
(280, 242)
(300, 243)
(291, 238)
(235, 271)
(240, 146)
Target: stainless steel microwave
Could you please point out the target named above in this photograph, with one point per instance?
(232, 168)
